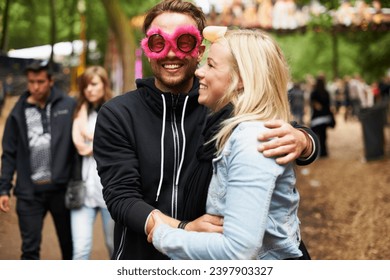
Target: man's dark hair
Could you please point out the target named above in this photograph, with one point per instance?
(175, 6)
(38, 66)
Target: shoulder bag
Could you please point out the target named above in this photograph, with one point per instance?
(76, 188)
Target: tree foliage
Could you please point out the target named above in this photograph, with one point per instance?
(310, 52)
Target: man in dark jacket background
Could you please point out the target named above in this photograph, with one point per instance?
(38, 147)
(145, 139)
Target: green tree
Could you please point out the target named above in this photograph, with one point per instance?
(124, 36)
(4, 30)
(53, 26)
(336, 53)
(118, 15)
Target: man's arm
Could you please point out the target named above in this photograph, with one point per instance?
(8, 158)
(289, 142)
(4, 203)
(118, 168)
(312, 150)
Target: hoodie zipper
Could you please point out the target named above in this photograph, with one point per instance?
(176, 150)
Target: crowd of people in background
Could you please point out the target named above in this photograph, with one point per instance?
(287, 14)
(349, 96)
(350, 93)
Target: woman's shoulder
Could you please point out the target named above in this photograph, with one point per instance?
(242, 148)
(246, 133)
(250, 127)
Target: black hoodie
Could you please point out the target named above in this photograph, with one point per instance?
(16, 152)
(143, 144)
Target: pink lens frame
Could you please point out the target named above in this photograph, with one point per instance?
(170, 42)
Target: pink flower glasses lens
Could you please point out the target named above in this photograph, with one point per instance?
(156, 43)
(185, 43)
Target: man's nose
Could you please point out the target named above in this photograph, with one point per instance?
(35, 86)
(171, 53)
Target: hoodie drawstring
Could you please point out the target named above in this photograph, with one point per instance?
(184, 141)
(162, 147)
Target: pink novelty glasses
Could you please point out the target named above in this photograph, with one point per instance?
(184, 41)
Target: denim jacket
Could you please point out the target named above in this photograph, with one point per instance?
(258, 200)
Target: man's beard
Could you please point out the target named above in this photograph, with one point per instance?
(174, 83)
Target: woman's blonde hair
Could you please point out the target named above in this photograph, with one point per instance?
(259, 64)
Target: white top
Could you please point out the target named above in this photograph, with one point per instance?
(94, 196)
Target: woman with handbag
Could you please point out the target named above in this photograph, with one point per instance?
(94, 90)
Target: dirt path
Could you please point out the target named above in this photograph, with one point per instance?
(344, 209)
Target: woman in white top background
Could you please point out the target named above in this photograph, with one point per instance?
(94, 90)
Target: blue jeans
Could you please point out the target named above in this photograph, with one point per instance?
(82, 221)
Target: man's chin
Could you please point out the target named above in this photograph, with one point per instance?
(173, 82)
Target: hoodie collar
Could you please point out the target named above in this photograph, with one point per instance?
(152, 94)
(53, 96)
(150, 83)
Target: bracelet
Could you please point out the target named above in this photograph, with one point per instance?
(182, 224)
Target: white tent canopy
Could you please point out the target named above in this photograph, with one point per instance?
(61, 51)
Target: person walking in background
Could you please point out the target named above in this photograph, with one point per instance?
(37, 146)
(158, 127)
(347, 99)
(9, 85)
(355, 93)
(321, 116)
(339, 97)
(245, 77)
(94, 90)
(297, 102)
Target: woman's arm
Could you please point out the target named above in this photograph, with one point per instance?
(205, 223)
(250, 183)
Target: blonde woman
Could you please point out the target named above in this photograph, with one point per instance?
(247, 74)
(94, 90)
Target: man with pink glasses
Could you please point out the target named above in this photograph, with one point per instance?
(146, 139)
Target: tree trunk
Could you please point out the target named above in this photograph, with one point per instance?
(125, 40)
(53, 28)
(4, 36)
(335, 46)
(335, 52)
